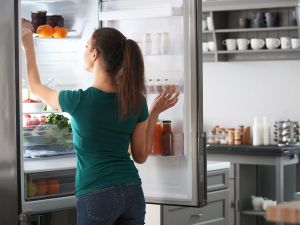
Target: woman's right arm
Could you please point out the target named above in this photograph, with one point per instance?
(142, 136)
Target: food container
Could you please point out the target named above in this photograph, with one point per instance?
(55, 20)
(33, 107)
(286, 132)
(35, 136)
(38, 18)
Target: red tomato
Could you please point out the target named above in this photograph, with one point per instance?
(28, 100)
(43, 119)
(29, 123)
(27, 116)
(36, 121)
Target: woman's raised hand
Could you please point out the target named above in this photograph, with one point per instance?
(167, 99)
(27, 31)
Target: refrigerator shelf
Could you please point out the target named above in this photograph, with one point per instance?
(156, 89)
(43, 197)
(43, 112)
(157, 12)
(49, 164)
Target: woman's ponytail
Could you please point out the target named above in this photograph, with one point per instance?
(131, 80)
(124, 63)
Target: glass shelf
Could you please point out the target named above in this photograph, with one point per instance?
(147, 13)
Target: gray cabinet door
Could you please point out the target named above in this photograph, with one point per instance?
(215, 213)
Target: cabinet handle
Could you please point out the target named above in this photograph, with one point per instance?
(199, 214)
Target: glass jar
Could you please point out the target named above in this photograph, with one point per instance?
(230, 136)
(224, 140)
(167, 138)
(157, 143)
(38, 18)
(212, 137)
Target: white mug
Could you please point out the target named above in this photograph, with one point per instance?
(267, 203)
(257, 43)
(272, 43)
(204, 25)
(205, 47)
(242, 44)
(295, 43)
(210, 24)
(285, 43)
(231, 44)
(211, 46)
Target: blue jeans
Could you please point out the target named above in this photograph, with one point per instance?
(116, 205)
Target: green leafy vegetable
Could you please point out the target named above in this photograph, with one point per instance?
(61, 121)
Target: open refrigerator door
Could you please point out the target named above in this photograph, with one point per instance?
(166, 32)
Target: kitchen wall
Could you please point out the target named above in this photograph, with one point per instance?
(235, 92)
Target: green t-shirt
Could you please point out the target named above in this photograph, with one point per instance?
(100, 139)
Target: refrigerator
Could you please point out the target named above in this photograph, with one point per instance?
(38, 161)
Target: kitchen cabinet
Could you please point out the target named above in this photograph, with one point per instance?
(267, 171)
(225, 16)
(216, 210)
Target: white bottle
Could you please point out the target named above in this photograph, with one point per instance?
(165, 43)
(266, 131)
(147, 42)
(156, 42)
(257, 132)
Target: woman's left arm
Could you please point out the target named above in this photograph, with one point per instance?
(44, 93)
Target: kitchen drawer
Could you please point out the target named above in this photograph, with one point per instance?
(217, 180)
(215, 213)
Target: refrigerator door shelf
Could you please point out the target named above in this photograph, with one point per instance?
(148, 13)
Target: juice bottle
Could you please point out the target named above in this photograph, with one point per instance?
(167, 137)
(157, 144)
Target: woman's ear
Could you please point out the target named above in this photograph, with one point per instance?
(95, 54)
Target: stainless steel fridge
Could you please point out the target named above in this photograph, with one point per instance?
(38, 162)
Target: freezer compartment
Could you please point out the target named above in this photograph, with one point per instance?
(45, 185)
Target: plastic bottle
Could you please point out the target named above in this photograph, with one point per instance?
(266, 131)
(147, 44)
(165, 43)
(257, 132)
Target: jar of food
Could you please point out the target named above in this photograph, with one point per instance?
(237, 136)
(38, 18)
(224, 137)
(157, 143)
(218, 135)
(167, 138)
(55, 21)
(212, 137)
(230, 136)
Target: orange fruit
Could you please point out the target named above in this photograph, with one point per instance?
(53, 186)
(41, 187)
(60, 32)
(45, 31)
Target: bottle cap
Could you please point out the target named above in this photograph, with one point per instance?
(166, 121)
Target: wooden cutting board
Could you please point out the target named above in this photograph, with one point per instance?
(286, 212)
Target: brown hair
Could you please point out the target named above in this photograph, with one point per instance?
(124, 63)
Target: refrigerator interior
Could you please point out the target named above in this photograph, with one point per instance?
(48, 175)
(166, 179)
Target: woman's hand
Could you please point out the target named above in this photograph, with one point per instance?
(27, 31)
(167, 99)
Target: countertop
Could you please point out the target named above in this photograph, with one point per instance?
(272, 150)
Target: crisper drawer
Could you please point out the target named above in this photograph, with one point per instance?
(217, 180)
(215, 213)
(53, 184)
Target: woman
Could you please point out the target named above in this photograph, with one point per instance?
(106, 118)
